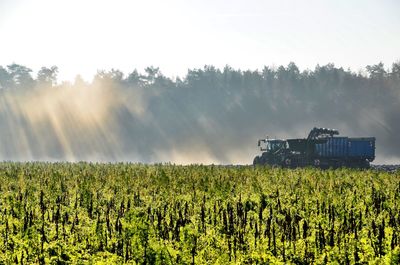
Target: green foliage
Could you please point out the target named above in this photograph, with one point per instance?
(66, 213)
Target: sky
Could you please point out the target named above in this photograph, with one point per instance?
(82, 37)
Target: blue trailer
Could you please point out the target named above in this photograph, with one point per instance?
(322, 148)
(346, 151)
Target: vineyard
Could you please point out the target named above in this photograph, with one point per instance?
(69, 213)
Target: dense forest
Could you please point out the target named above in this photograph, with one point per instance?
(210, 115)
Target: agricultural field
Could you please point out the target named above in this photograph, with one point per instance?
(83, 213)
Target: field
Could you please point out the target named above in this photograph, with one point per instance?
(81, 213)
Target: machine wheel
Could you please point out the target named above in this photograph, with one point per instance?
(256, 161)
(366, 164)
(288, 162)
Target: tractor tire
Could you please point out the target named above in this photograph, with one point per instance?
(256, 161)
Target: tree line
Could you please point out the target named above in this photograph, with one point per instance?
(227, 109)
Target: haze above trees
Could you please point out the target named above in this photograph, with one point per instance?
(218, 113)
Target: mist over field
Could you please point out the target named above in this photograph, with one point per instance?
(210, 115)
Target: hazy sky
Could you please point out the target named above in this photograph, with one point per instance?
(84, 36)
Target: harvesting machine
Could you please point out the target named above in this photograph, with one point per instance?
(322, 148)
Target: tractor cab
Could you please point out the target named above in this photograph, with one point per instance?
(273, 152)
(272, 145)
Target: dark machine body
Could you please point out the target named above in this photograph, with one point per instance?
(322, 148)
